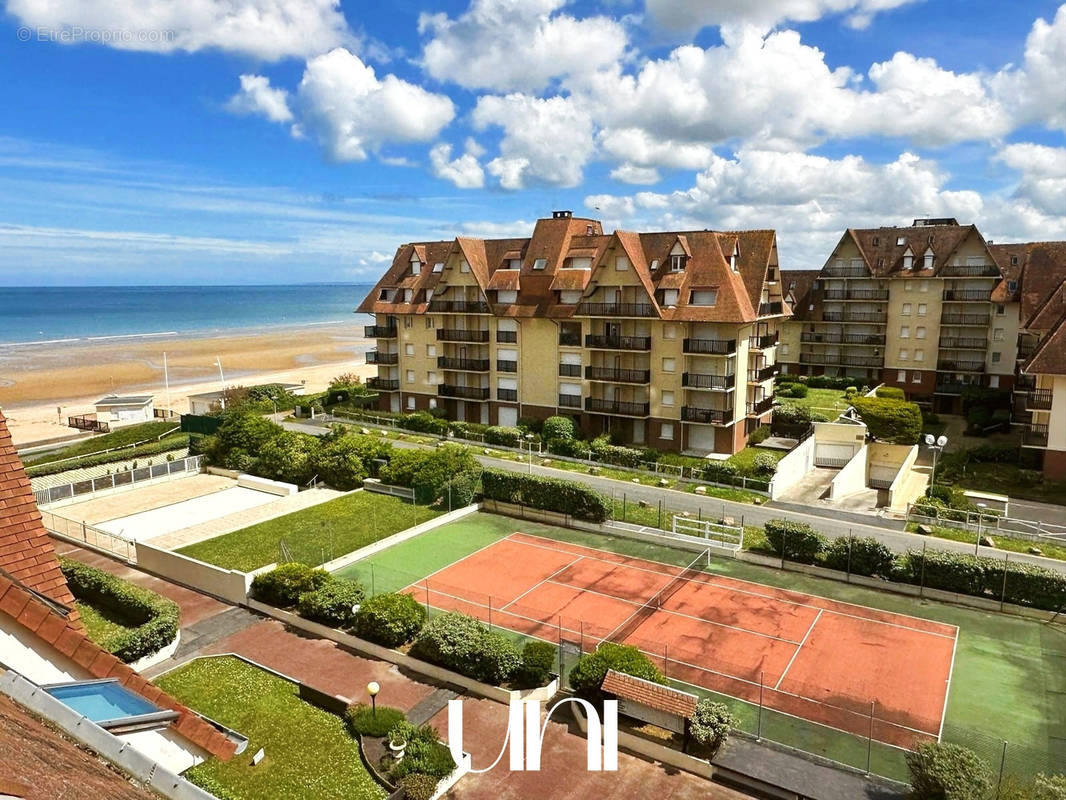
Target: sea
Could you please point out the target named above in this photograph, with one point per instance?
(91, 313)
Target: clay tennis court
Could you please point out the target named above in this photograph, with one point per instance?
(853, 668)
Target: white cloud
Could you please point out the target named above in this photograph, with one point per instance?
(265, 29)
(506, 45)
(688, 16)
(1035, 92)
(631, 173)
(256, 96)
(544, 141)
(464, 171)
(637, 146)
(1042, 176)
(352, 112)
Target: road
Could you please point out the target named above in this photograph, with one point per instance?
(830, 523)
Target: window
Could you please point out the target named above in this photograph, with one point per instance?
(908, 260)
(513, 263)
(916, 377)
(438, 267)
(416, 266)
(906, 309)
(784, 348)
(407, 295)
(670, 297)
(928, 259)
(668, 398)
(506, 296)
(904, 354)
(1014, 261)
(919, 332)
(410, 376)
(568, 296)
(919, 354)
(666, 431)
(669, 332)
(923, 286)
(900, 241)
(464, 266)
(901, 376)
(383, 295)
(654, 264)
(409, 349)
(429, 295)
(1000, 309)
(996, 357)
(668, 364)
(922, 309)
(908, 286)
(993, 381)
(407, 322)
(429, 323)
(997, 335)
(877, 241)
(431, 378)
(905, 332)
(432, 403)
(1012, 286)
(580, 263)
(621, 263)
(677, 262)
(431, 351)
(706, 297)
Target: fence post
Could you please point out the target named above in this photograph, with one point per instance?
(1002, 764)
(758, 733)
(870, 738)
(660, 525)
(850, 536)
(921, 580)
(1003, 593)
(560, 623)
(490, 612)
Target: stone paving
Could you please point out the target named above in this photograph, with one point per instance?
(134, 501)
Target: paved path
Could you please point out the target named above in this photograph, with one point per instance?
(133, 501)
(830, 522)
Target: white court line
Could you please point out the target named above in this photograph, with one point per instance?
(947, 691)
(799, 647)
(542, 582)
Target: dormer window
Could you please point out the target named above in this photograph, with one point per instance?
(670, 297)
(512, 263)
(383, 294)
(579, 263)
(438, 267)
(706, 297)
(677, 262)
(928, 258)
(1014, 261)
(654, 264)
(540, 263)
(900, 241)
(1012, 286)
(407, 295)
(416, 264)
(877, 241)
(908, 259)
(590, 230)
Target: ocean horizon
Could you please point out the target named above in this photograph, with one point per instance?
(53, 314)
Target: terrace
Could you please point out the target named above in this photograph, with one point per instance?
(612, 375)
(620, 408)
(457, 335)
(378, 357)
(696, 380)
(707, 416)
(616, 310)
(596, 342)
(710, 347)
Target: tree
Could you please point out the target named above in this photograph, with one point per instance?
(947, 772)
(344, 461)
(711, 724)
(889, 420)
(288, 457)
(588, 673)
(558, 428)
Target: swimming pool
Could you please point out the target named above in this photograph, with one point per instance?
(108, 703)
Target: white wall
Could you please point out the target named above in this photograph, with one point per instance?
(28, 655)
(852, 478)
(792, 468)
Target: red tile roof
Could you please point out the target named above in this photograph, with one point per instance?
(1050, 355)
(652, 695)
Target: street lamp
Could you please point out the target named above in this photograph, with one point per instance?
(936, 444)
(372, 689)
(274, 400)
(529, 441)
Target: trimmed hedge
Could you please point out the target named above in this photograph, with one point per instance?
(800, 541)
(893, 421)
(156, 616)
(362, 720)
(890, 393)
(548, 494)
(389, 619)
(284, 584)
(868, 557)
(332, 603)
(558, 428)
(463, 644)
(948, 772)
(538, 659)
(176, 442)
(588, 673)
(505, 437)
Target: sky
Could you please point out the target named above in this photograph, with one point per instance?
(290, 141)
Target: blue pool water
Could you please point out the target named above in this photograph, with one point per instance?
(102, 702)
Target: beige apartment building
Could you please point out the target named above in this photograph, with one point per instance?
(667, 340)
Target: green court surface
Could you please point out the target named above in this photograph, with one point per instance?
(1008, 683)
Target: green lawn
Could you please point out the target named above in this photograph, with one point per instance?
(104, 626)
(745, 459)
(309, 753)
(1003, 542)
(829, 401)
(96, 444)
(314, 535)
(1006, 479)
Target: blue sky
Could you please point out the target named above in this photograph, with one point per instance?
(176, 144)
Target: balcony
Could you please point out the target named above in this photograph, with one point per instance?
(710, 347)
(968, 295)
(1039, 399)
(383, 384)
(845, 272)
(612, 375)
(618, 342)
(954, 365)
(719, 383)
(569, 339)
(507, 337)
(379, 331)
(377, 357)
(1024, 382)
(707, 416)
(463, 364)
(969, 271)
(506, 366)
(570, 370)
(456, 335)
(617, 407)
(963, 343)
(832, 316)
(952, 318)
(856, 294)
(1035, 436)
(770, 309)
(616, 310)
(866, 339)
(761, 374)
(953, 387)
(763, 342)
(463, 392)
(459, 306)
(865, 316)
(760, 407)
(845, 359)
(570, 401)
(507, 395)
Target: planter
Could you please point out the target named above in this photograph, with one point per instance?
(397, 750)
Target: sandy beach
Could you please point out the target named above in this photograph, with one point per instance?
(35, 380)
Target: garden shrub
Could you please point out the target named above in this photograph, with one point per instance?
(588, 673)
(144, 451)
(558, 428)
(284, 584)
(344, 461)
(362, 720)
(711, 724)
(800, 541)
(549, 494)
(425, 754)
(759, 435)
(332, 603)
(791, 414)
(868, 556)
(538, 659)
(890, 393)
(156, 617)
(720, 471)
(504, 437)
(764, 464)
(418, 786)
(288, 457)
(574, 448)
(620, 456)
(423, 422)
(461, 490)
(947, 772)
(389, 619)
(463, 644)
(979, 576)
(1040, 787)
(894, 421)
(428, 471)
(531, 424)
(798, 390)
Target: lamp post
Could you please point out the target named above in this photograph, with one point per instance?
(529, 442)
(274, 400)
(372, 689)
(936, 444)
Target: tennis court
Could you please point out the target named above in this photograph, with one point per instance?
(858, 669)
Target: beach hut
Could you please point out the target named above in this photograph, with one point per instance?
(124, 410)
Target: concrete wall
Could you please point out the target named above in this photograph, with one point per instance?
(792, 468)
(226, 584)
(852, 478)
(885, 461)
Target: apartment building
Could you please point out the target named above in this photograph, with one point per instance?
(665, 339)
(926, 307)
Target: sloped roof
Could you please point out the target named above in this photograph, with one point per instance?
(1050, 355)
(652, 695)
(799, 297)
(884, 257)
(1040, 269)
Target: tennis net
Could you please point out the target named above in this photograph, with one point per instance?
(634, 621)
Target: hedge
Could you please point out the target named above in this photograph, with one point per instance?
(588, 673)
(890, 393)
(176, 442)
(893, 421)
(156, 616)
(947, 772)
(332, 603)
(284, 584)
(461, 643)
(548, 494)
(538, 658)
(558, 428)
(504, 437)
(797, 541)
(364, 720)
(389, 619)
(867, 557)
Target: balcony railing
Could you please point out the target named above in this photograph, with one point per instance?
(865, 316)
(616, 310)
(707, 416)
(570, 370)
(760, 407)
(570, 401)
(866, 339)
(856, 294)
(463, 392)
(710, 347)
(1039, 399)
(383, 384)
(570, 340)
(463, 364)
(950, 318)
(507, 395)
(617, 375)
(969, 270)
(380, 331)
(618, 342)
(696, 380)
(459, 306)
(507, 337)
(963, 343)
(846, 272)
(968, 295)
(377, 357)
(953, 387)
(832, 316)
(506, 366)
(761, 374)
(619, 407)
(954, 365)
(1024, 382)
(1035, 436)
(455, 335)
(764, 342)
(770, 309)
(846, 359)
